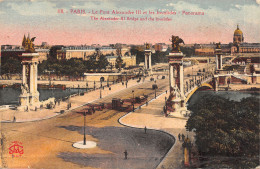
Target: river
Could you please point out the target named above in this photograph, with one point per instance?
(11, 95)
(231, 95)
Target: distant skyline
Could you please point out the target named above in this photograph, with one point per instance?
(42, 19)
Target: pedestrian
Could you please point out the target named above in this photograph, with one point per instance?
(166, 91)
(59, 102)
(14, 120)
(125, 154)
(179, 136)
(146, 103)
(55, 101)
(145, 129)
(183, 137)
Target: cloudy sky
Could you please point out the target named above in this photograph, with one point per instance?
(43, 20)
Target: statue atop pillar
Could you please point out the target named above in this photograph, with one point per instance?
(176, 44)
(28, 44)
(147, 46)
(218, 45)
(29, 59)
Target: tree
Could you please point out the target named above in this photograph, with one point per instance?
(119, 63)
(102, 62)
(138, 52)
(53, 52)
(11, 66)
(226, 128)
(188, 51)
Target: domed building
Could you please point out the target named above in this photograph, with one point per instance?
(239, 46)
(238, 36)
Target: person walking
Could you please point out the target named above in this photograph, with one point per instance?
(179, 136)
(145, 129)
(125, 154)
(14, 120)
(183, 137)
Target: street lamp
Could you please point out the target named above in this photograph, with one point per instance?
(100, 88)
(84, 139)
(78, 89)
(165, 103)
(133, 100)
(86, 86)
(126, 80)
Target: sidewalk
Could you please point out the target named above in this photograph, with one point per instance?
(76, 101)
(152, 117)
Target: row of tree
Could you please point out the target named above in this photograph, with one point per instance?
(227, 129)
(11, 66)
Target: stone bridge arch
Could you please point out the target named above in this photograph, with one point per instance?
(196, 88)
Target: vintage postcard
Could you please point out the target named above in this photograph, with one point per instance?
(137, 84)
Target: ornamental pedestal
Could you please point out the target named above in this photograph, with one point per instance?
(30, 95)
(176, 80)
(148, 60)
(219, 62)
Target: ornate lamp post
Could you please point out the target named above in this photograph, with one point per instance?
(155, 92)
(100, 88)
(133, 100)
(166, 103)
(84, 139)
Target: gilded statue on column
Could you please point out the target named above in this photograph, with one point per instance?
(28, 44)
(147, 46)
(176, 44)
(218, 45)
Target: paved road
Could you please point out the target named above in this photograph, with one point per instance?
(153, 118)
(48, 143)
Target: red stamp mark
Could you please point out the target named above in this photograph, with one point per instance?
(16, 149)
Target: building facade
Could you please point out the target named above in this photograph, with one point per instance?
(84, 52)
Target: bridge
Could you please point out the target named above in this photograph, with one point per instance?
(183, 82)
(202, 79)
(192, 87)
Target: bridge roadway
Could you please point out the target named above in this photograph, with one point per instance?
(193, 82)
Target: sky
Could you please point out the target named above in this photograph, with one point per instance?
(43, 20)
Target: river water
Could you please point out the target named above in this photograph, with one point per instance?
(11, 95)
(231, 95)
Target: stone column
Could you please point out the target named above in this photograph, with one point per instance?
(35, 76)
(181, 80)
(216, 83)
(24, 74)
(150, 61)
(31, 77)
(145, 61)
(216, 62)
(172, 80)
(221, 64)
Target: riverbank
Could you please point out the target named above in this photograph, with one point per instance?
(76, 101)
(68, 84)
(240, 87)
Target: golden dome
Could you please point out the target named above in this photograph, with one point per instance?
(238, 31)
